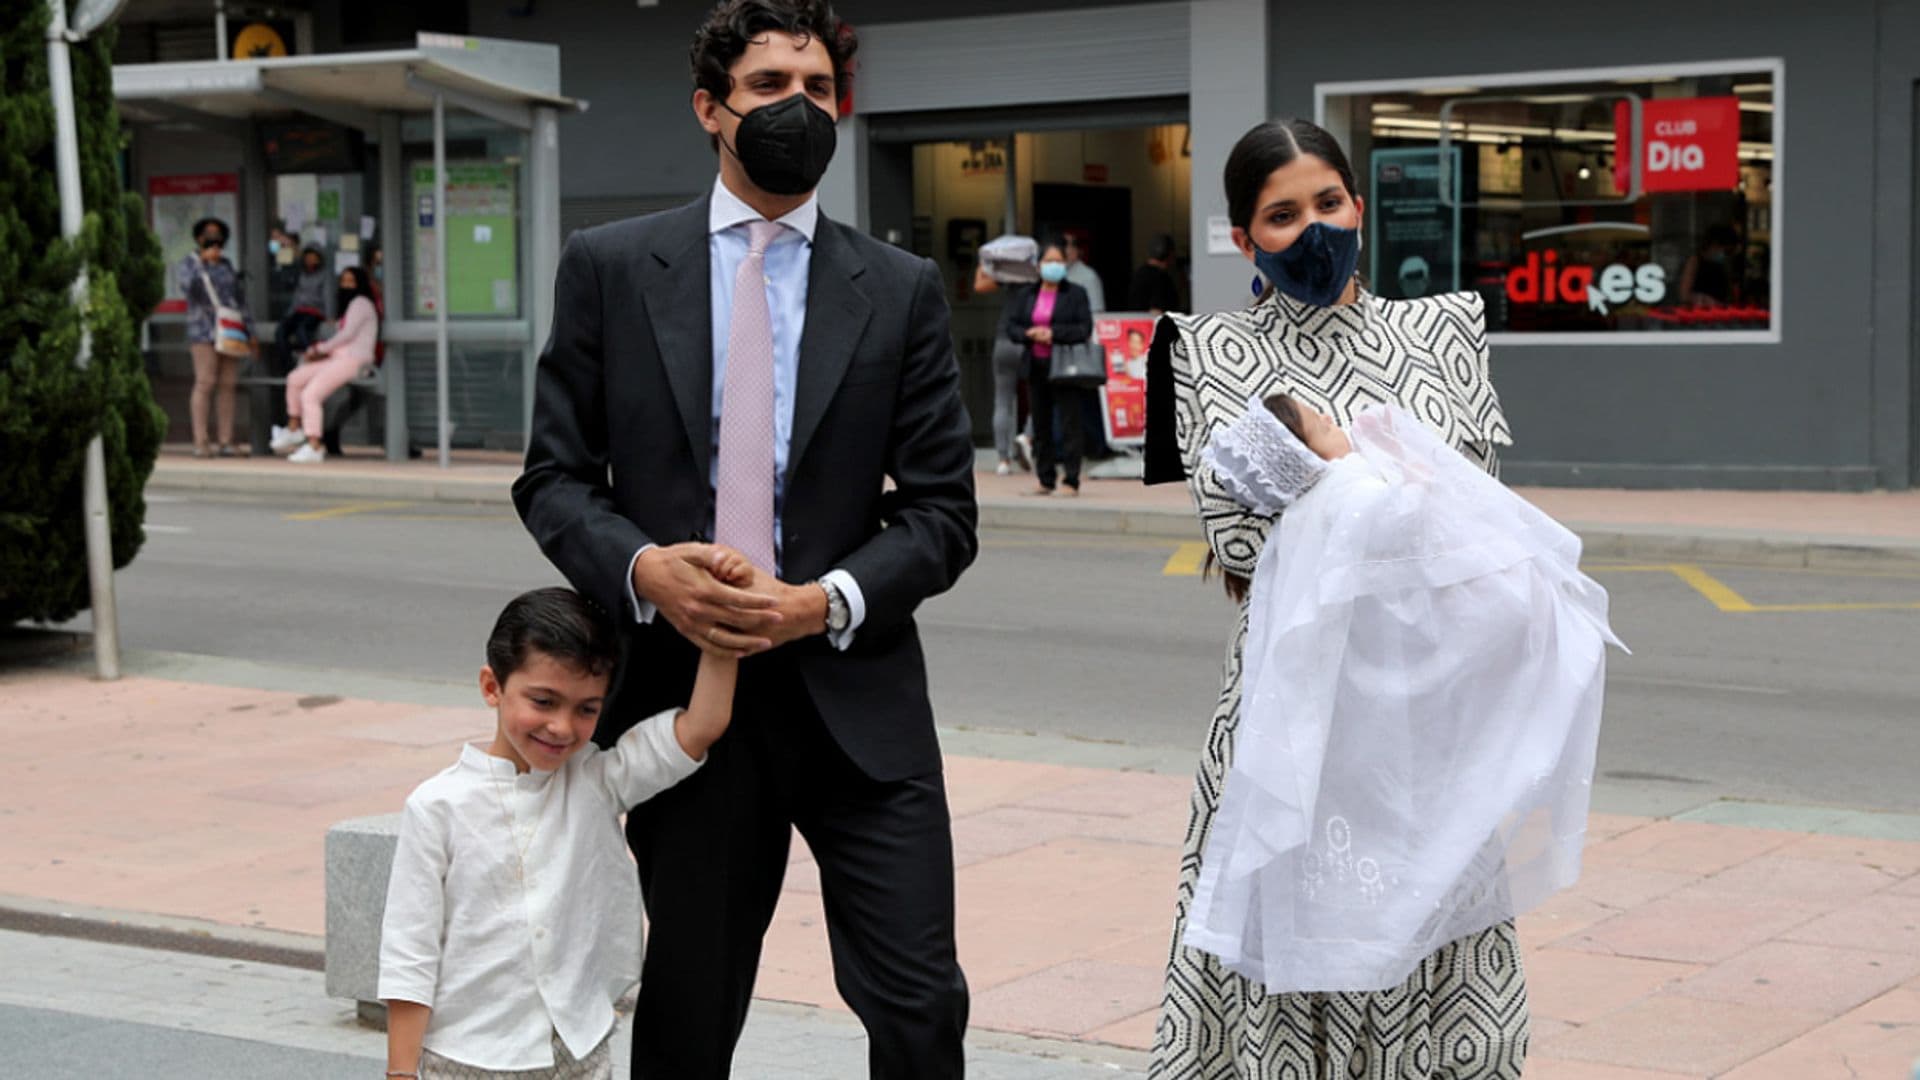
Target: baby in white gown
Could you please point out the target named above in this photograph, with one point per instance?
(1421, 704)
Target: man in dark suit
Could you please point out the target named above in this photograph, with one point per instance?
(744, 370)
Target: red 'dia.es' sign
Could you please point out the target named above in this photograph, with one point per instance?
(1687, 144)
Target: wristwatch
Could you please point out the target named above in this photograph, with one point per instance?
(839, 616)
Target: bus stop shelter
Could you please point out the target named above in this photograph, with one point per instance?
(501, 217)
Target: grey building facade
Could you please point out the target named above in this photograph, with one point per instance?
(1740, 310)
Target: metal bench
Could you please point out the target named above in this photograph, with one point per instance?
(372, 379)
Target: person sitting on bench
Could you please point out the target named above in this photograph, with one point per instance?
(328, 366)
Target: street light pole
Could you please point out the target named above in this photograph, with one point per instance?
(106, 618)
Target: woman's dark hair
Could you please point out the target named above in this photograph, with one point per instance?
(200, 226)
(1162, 247)
(733, 25)
(555, 622)
(362, 286)
(316, 253)
(1052, 241)
(1271, 146)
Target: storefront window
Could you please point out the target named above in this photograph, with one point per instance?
(1632, 206)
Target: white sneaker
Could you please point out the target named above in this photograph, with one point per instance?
(1005, 469)
(308, 455)
(285, 439)
(1023, 451)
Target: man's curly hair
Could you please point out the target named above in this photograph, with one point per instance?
(735, 24)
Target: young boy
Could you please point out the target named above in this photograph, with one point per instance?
(513, 908)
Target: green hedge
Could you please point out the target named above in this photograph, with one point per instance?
(49, 409)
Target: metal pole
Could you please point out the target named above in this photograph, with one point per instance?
(220, 31)
(399, 263)
(1011, 219)
(442, 293)
(106, 618)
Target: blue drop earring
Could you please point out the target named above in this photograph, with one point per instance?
(1259, 286)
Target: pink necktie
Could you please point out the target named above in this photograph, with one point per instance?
(743, 513)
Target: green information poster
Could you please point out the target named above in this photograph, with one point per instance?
(483, 246)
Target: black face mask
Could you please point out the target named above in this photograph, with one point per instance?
(784, 146)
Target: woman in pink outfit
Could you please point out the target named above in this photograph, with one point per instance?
(328, 366)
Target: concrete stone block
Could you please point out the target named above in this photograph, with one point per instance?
(359, 856)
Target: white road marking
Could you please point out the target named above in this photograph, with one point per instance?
(1687, 684)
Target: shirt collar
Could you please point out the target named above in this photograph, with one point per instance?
(727, 210)
(474, 758)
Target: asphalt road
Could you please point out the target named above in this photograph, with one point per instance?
(1087, 637)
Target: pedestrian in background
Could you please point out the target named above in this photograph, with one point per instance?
(1093, 431)
(1153, 289)
(310, 306)
(330, 365)
(1053, 312)
(1008, 260)
(1707, 279)
(210, 282)
(1084, 276)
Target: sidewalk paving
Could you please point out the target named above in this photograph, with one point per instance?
(84, 1008)
(1835, 530)
(1729, 939)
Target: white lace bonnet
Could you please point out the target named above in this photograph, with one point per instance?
(1261, 463)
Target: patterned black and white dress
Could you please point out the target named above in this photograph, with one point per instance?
(1462, 1015)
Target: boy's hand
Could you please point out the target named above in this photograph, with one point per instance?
(729, 567)
(802, 608)
(721, 619)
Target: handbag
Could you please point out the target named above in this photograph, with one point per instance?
(1082, 364)
(230, 334)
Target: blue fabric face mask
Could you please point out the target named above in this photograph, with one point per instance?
(1053, 272)
(1316, 267)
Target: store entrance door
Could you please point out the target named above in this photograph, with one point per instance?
(1100, 220)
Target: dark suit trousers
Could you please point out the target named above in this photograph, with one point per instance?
(712, 853)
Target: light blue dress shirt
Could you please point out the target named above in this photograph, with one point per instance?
(788, 262)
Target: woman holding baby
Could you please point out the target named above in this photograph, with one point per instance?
(1306, 943)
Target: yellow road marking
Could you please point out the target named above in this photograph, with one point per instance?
(1727, 600)
(346, 510)
(1712, 588)
(1187, 560)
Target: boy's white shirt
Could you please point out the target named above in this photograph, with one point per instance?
(506, 961)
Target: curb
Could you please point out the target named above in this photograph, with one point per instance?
(1654, 543)
(168, 476)
(1664, 544)
(165, 933)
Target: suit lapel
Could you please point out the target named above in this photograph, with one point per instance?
(837, 313)
(680, 308)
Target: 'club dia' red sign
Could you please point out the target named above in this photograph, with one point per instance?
(1689, 144)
